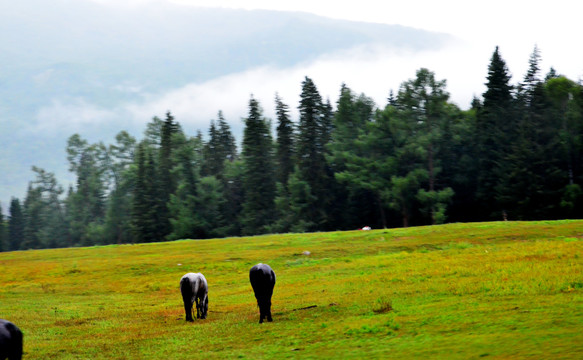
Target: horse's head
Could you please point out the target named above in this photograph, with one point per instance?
(204, 307)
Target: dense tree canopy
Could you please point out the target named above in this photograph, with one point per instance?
(516, 153)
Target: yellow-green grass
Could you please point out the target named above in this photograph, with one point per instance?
(459, 291)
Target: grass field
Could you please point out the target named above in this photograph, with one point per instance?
(459, 291)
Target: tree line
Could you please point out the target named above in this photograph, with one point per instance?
(515, 154)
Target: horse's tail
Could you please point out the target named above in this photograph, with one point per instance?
(185, 288)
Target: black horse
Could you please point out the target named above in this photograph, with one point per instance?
(262, 280)
(10, 341)
(194, 289)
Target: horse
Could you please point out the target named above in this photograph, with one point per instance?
(10, 341)
(262, 280)
(194, 289)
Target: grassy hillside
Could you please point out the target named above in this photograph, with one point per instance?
(486, 290)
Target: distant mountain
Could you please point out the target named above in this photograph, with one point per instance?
(82, 51)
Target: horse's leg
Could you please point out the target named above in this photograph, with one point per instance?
(268, 305)
(197, 307)
(203, 307)
(269, 319)
(261, 311)
(188, 310)
(17, 354)
(187, 298)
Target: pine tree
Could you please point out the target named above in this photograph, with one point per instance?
(91, 188)
(165, 185)
(291, 206)
(44, 225)
(212, 157)
(210, 201)
(310, 155)
(86, 204)
(32, 218)
(313, 131)
(422, 104)
(183, 203)
(117, 217)
(123, 155)
(145, 203)
(258, 176)
(495, 130)
(391, 100)
(327, 126)
(519, 181)
(533, 181)
(351, 119)
(566, 107)
(371, 162)
(15, 225)
(552, 74)
(227, 145)
(458, 165)
(3, 245)
(153, 133)
(233, 192)
(285, 147)
(220, 147)
(53, 231)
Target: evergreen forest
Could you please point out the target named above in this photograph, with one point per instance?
(515, 154)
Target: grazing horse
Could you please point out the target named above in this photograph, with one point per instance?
(262, 280)
(194, 289)
(10, 341)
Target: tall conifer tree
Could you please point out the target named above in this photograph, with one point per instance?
(351, 119)
(423, 105)
(227, 145)
(212, 157)
(496, 127)
(165, 180)
(118, 215)
(32, 218)
(183, 205)
(313, 135)
(145, 204)
(531, 181)
(15, 225)
(86, 203)
(258, 176)
(221, 146)
(3, 240)
(285, 146)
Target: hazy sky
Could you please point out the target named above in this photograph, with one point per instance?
(479, 26)
(515, 26)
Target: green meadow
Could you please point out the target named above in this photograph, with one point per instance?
(460, 291)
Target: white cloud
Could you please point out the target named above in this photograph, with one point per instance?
(516, 26)
(372, 70)
(127, 3)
